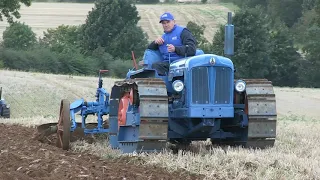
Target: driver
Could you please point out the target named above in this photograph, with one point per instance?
(176, 42)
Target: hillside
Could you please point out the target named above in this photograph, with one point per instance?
(41, 16)
(35, 98)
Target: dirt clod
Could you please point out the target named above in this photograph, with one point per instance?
(22, 157)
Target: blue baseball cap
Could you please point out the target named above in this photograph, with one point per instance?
(166, 17)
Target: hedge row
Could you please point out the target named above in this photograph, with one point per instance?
(46, 61)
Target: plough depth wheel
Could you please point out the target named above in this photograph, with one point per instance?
(64, 123)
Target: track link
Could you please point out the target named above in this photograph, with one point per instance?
(262, 115)
(152, 101)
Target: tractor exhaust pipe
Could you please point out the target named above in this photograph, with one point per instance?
(229, 37)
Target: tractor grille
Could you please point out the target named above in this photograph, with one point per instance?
(223, 86)
(200, 85)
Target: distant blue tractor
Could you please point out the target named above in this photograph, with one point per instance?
(4, 107)
(199, 99)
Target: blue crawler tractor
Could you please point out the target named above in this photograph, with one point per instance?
(4, 107)
(198, 99)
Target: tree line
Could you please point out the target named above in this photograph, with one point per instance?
(274, 39)
(104, 41)
(92, 1)
(277, 40)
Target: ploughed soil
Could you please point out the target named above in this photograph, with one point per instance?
(23, 157)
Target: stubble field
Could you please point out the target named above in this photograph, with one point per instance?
(35, 99)
(41, 16)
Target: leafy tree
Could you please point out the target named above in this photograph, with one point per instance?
(310, 74)
(1, 64)
(287, 66)
(309, 39)
(204, 1)
(44, 60)
(198, 33)
(218, 41)
(73, 1)
(147, 1)
(19, 36)
(129, 38)
(289, 11)
(120, 68)
(109, 25)
(80, 1)
(308, 4)
(301, 27)
(317, 10)
(253, 3)
(102, 58)
(62, 39)
(251, 44)
(76, 63)
(285, 58)
(9, 9)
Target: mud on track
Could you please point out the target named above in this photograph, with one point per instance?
(22, 157)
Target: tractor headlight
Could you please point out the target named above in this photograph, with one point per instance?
(240, 86)
(178, 85)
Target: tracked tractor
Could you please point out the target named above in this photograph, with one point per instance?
(4, 107)
(197, 100)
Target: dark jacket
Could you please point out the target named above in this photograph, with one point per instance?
(187, 39)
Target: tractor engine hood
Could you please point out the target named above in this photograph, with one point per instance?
(181, 66)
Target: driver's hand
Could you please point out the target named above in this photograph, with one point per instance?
(159, 41)
(141, 63)
(171, 48)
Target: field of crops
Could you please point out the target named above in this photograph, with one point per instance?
(35, 99)
(41, 16)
